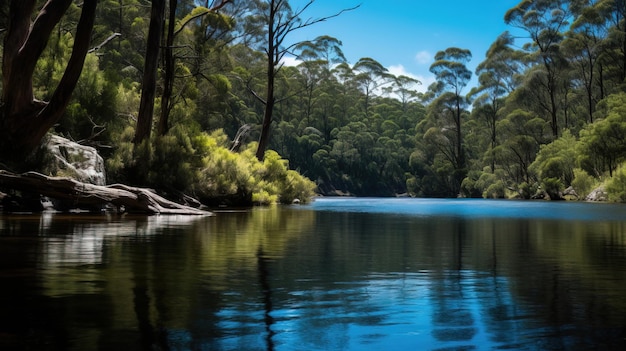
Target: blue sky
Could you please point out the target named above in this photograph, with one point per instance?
(404, 35)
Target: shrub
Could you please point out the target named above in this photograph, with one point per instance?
(552, 187)
(495, 190)
(526, 191)
(583, 183)
(201, 164)
(486, 184)
(616, 186)
(557, 159)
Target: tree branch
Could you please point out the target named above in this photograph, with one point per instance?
(106, 41)
(212, 9)
(44, 24)
(62, 94)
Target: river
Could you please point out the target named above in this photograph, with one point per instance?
(339, 274)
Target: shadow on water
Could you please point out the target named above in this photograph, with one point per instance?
(378, 276)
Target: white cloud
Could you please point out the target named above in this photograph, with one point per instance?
(400, 70)
(290, 61)
(423, 57)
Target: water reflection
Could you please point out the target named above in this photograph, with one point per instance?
(314, 279)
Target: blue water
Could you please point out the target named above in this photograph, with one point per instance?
(339, 274)
(476, 208)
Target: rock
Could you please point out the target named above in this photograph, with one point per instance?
(540, 195)
(598, 194)
(570, 193)
(80, 162)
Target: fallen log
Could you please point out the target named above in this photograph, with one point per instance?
(131, 199)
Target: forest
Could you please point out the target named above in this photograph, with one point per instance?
(194, 97)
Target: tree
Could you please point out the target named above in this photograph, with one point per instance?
(603, 143)
(24, 120)
(544, 21)
(497, 78)
(148, 90)
(371, 76)
(452, 77)
(584, 48)
(278, 20)
(175, 27)
(318, 57)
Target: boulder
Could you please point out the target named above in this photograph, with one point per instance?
(570, 193)
(70, 159)
(597, 194)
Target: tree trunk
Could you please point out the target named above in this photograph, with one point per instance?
(271, 76)
(25, 120)
(168, 80)
(148, 90)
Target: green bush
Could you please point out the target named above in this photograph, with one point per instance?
(495, 190)
(526, 191)
(486, 184)
(552, 187)
(583, 183)
(227, 173)
(557, 159)
(616, 185)
(468, 185)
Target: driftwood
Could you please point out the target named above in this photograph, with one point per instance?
(131, 199)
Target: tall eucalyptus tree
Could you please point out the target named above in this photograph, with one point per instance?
(449, 103)
(371, 76)
(545, 21)
(277, 20)
(497, 77)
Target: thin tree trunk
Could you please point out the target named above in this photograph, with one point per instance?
(271, 75)
(168, 81)
(148, 90)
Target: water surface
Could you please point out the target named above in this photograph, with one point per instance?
(340, 274)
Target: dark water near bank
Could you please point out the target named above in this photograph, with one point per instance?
(345, 274)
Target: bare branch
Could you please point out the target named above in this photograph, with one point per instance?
(310, 21)
(106, 41)
(256, 95)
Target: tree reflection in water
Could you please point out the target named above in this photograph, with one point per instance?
(284, 278)
(264, 280)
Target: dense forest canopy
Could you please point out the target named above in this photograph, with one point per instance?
(546, 114)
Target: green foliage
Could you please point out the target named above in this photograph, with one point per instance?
(556, 160)
(616, 186)
(483, 184)
(548, 113)
(552, 187)
(201, 164)
(91, 114)
(583, 183)
(603, 143)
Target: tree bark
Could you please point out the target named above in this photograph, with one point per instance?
(168, 79)
(134, 200)
(24, 119)
(271, 76)
(148, 90)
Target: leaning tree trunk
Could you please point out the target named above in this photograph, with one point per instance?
(24, 120)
